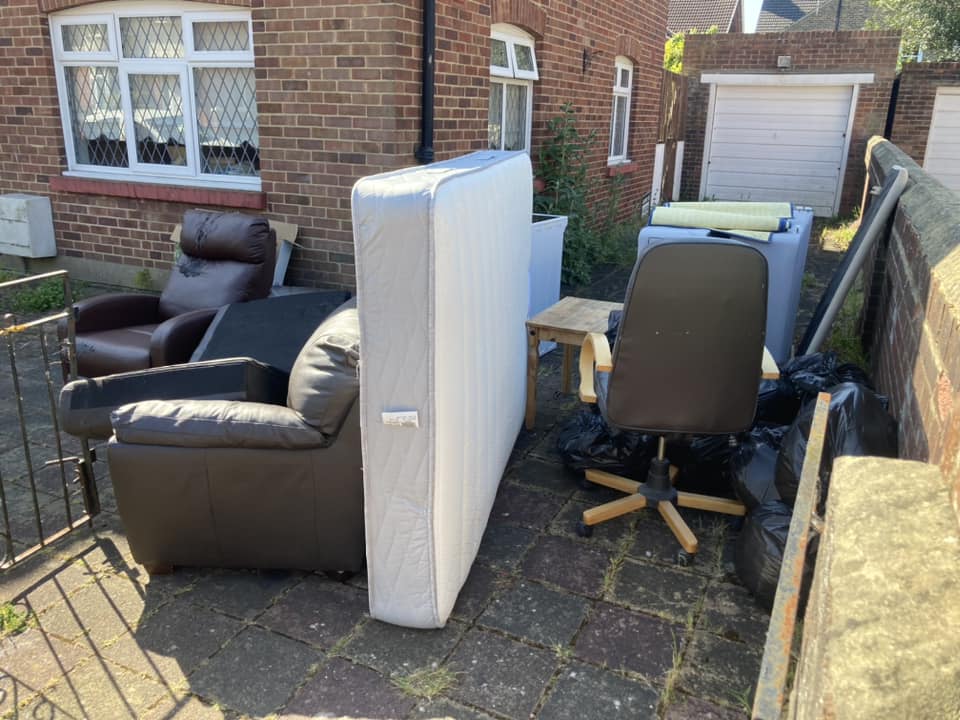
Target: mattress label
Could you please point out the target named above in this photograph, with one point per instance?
(401, 418)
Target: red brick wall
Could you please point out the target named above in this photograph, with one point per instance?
(915, 343)
(561, 36)
(810, 52)
(338, 93)
(918, 90)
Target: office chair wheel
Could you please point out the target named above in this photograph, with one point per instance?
(584, 530)
(585, 484)
(685, 559)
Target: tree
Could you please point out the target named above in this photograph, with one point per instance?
(673, 50)
(931, 27)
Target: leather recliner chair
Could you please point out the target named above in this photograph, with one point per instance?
(230, 483)
(225, 258)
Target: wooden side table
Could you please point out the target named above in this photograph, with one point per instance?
(566, 323)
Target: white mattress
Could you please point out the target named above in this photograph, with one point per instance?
(442, 253)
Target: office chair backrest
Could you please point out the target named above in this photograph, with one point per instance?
(690, 344)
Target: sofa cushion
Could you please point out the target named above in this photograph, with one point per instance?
(324, 382)
(213, 423)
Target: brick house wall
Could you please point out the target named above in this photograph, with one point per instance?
(915, 340)
(810, 52)
(914, 110)
(338, 95)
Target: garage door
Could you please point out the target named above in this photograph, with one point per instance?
(771, 142)
(942, 159)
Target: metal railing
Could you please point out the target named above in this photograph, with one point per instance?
(777, 651)
(28, 350)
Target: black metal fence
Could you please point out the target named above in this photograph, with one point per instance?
(47, 484)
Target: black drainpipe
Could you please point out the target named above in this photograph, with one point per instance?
(424, 153)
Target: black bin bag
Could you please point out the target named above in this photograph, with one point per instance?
(858, 425)
(587, 441)
(759, 552)
(801, 378)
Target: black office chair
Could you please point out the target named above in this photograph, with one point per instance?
(688, 358)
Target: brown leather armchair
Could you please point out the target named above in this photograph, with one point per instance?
(233, 483)
(225, 258)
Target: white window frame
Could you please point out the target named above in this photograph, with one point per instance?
(110, 13)
(513, 75)
(621, 91)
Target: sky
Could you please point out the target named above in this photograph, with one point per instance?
(751, 11)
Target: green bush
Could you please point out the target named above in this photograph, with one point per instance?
(34, 298)
(594, 235)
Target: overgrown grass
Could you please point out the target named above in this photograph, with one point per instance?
(34, 298)
(12, 621)
(839, 232)
(844, 338)
(427, 683)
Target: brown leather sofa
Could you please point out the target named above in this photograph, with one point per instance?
(225, 258)
(229, 483)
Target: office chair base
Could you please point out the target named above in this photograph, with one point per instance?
(637, 500)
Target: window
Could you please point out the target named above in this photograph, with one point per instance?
(158, 93)
(513, 68)
(620, 119)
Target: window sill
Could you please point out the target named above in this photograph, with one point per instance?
(622, 168)
(248, 200)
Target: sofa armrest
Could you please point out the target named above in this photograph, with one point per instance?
(174, 340)
(214, 424)
(86, 404)
(105, 312)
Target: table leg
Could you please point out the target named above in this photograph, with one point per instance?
(567, 367)
(533, 365)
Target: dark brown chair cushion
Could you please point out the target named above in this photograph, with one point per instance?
(225, 258)
(324, 382)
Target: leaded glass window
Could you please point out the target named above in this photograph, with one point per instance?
(162, 96)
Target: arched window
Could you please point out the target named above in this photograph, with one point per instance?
(163, 92)
(620, 117)
(513, 68)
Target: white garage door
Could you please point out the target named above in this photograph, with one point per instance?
(773, 142)
(942, 159)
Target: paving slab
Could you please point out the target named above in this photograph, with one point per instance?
(433, 709)
(256, 673)
(516, 505)
(95, 689)
(241, 593)
(621, 639)
(581, 569)
(318, 611)
(188, 707)
(685, 707)
(44, 580)
(720, 670)
(535, 613)
(30, 661)
(170, 644)
(342, 689)
(500, 675)
(608, 534)
(480, 586)
(503, 546)
(100, 611)
(731, 612)
(588, 693)
(551, 477)
(395, 650)
(671, 593)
